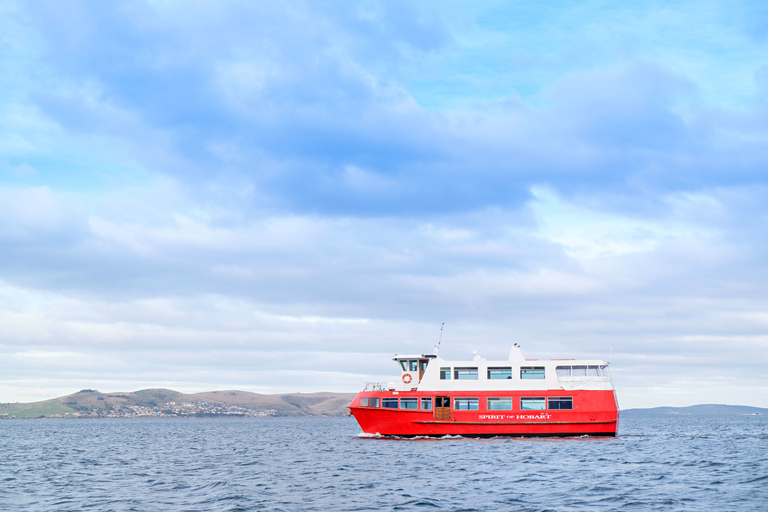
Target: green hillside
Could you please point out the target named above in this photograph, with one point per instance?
(37, 409)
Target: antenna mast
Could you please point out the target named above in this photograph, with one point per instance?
(437, 348)
(610, 353)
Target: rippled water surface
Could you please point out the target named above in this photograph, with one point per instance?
(679, 463)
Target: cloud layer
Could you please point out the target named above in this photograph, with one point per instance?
(278, 198)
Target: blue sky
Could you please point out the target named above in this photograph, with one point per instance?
(277, 198)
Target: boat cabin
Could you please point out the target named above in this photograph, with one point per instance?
(413, 367)
(429, 372)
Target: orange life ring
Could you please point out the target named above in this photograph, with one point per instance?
(407, 378)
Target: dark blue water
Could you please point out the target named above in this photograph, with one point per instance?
(322, 464)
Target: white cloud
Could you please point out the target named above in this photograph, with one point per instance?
(13, 143)
(487, 286)
(32, 209)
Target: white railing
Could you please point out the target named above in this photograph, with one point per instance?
(373, 386)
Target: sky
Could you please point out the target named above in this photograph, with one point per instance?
(280, 196)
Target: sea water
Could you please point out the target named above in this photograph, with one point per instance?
(698, 463)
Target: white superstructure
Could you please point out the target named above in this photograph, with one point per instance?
(433, 373)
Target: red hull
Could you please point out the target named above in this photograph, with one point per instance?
(594, 413)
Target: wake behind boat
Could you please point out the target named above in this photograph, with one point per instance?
(517, 397)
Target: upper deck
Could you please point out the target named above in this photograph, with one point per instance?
(432, 373)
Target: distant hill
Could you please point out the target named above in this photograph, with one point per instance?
(697, 410)
(89, 403)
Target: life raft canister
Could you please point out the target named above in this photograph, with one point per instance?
(407, 378)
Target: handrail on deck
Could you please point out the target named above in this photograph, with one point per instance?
(373, 386)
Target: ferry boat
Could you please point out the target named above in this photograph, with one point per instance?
(480, 398)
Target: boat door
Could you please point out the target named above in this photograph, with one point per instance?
(422, 368)
(442, 407)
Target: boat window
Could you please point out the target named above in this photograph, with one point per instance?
(445, 373)
(533, 404)
(466, 404)
(442, 401)
(389, 403)
(465, 373)
(373, 402)
(424, 366)
(414, 364)
(578, 371)
(426, 404)
(364, 402)
(561, 402)
(404, 365)
(500, 404)
(499, 372)
(409, 403)
(531, 372)
(582, 372)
